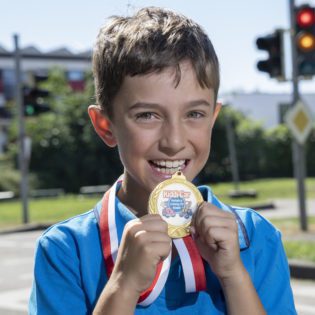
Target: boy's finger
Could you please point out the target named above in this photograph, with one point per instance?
(207, 210)
(214, 221)
(146, 237)
(152, 225)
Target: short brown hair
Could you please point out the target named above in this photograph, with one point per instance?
(150, 41)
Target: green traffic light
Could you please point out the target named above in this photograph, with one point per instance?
(29, 110)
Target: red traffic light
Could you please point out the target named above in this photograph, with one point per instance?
(305, 17)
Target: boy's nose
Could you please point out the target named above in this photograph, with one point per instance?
(172, 138)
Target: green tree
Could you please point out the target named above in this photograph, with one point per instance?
(66, 152)
(278, 152)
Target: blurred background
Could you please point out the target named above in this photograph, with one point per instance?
(53, 165)
(61, 152)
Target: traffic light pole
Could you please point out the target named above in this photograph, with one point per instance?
(22, 160)
(232, 152)
(298, 150)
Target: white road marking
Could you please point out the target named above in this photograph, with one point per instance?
(16, 244)
(306, 309)
(16, 261)
(15, 299)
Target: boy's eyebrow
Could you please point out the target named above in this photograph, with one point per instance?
(144, 105)
(155, 105)
(198, 102)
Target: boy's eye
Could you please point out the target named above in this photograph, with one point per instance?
(195, 114)
(144, 116)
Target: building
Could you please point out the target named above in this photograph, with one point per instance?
(35, 61)
(267, 108)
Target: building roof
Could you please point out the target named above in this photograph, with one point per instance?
(30, 50)
(63, 51)
(33, 52)
(3, 50)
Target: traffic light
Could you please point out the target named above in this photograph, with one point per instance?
(305, 40)
(273, 44)
(34, 98)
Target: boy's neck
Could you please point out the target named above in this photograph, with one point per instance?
(134, 200)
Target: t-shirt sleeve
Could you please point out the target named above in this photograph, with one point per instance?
(57, 283)
(272, 275)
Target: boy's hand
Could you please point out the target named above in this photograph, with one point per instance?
(144, 244)
(216, 235)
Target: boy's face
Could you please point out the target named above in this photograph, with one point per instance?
(160, 128)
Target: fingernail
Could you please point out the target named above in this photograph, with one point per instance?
(192, 232)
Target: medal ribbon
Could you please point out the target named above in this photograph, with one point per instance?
(109, 241)
(193, 269)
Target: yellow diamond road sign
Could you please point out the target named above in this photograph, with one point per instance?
(299, 120)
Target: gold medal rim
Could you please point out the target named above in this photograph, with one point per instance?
(173, 230)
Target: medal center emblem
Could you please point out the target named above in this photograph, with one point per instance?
(175, 200)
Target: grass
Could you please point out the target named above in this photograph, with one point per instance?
(297, 244)
(56, 209)
(51, 210)
(267, 190)
(303, 250)
(289, 227)
(48, 210)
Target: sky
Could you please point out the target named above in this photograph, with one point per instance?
(233, 27)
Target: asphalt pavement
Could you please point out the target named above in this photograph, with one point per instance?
(16, 266)
(17, 258)
(287, 208)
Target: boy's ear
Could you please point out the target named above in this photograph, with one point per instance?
(102, 125)
(216, 112)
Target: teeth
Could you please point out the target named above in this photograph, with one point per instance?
(167, 170)
(169, 164)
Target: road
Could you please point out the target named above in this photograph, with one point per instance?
(16, 264)
(287, 208)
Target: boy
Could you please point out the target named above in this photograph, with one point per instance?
(157, 79)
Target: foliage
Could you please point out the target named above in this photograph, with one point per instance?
(249, 143)
(10, 176)
(278, 148)
(261, 152)
(67, 153)
(250, 148)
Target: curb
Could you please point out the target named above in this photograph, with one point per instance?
(302, 269)
(25, 228)
(265, 206)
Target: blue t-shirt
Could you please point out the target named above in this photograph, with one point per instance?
(69, 273)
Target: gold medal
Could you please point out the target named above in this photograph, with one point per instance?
(175, 200)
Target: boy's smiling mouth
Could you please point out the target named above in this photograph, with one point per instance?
(168, 167)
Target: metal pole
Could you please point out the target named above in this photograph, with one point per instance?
(19, 104)
(232, 152)
(298, 150)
